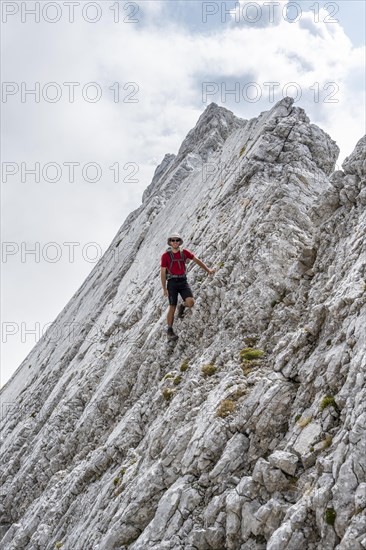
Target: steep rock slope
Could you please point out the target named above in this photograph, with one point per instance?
(248, 434)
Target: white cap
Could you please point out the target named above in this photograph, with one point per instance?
(174, 236)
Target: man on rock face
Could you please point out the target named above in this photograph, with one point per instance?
(174, 279)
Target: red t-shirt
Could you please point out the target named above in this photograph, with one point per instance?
(178, 268)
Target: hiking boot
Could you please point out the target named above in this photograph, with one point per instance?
(171, 335)
(181, 310)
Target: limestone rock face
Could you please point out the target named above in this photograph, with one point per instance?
(113, 439)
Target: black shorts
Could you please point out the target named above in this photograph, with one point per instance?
(178, 286)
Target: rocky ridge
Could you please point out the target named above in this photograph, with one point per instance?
(249, 434)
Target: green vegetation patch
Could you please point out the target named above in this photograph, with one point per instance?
(167, 394)
(226, 407)
(304, 421)
(327, 401)
(327, 442)
(250, 354)
(240, 392)
(177, 380)
(184, 366)
(330, 516)
(209, 370)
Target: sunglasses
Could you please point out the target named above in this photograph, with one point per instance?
(175, 240)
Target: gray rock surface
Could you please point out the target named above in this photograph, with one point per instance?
(108, 444)
(287, 462)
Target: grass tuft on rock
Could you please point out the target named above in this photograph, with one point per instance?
(226, 407)
(240, 392)
(250, 354)
(209, 370)
(327, 401)
(327, 442)
(177, 380)
(330, 516)
(304, 421)
(184, 366)
(167, 394)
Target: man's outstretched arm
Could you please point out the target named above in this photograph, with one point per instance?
(204, 266)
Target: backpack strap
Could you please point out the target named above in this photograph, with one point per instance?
(172, 259)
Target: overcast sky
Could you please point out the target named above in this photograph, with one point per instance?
(119, 84)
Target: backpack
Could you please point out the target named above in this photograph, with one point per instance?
(172, 259)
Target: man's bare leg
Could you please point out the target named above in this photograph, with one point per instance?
(170, 316)
(188, 302)
(170, 321)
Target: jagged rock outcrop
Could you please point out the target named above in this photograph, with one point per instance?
(112, 439)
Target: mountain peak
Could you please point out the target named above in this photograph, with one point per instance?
(211, 131)
(114, 438)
